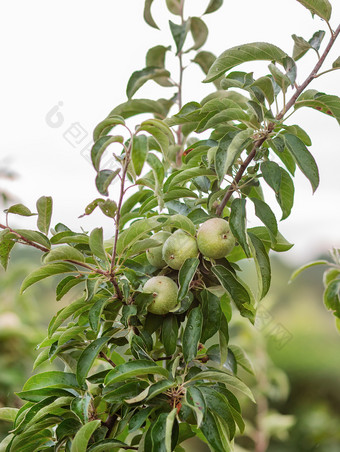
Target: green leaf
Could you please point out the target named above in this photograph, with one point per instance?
(136, 231)
(87, 358)
(170, 334)
(304, 267)
(139, 78)
(281, 244)
(195, 399)
(63, 253)
(272, 175)
(303, 158)
(199, 32)
(70, 333)
(52, 379)
(147, 14)
(108, 445)
(331, 297)
(185, 276)
(181, 222)
(336, 63)
(241, 54)
(135, 107)
(187, 175)
(301, 46)
(64, 314)
(100, 147)
(266, 215)
(97, 244)
(104, 127)
(139, 152)
(237, 145)
(213, 6)
(44, 208)
(134, 368)
(179, 33)
(157, 169)
(67, 428)
(321, 8)
(211, 431)
(139, 418)
(103, 180)
(262, 264)
(237, 222)
(169, 424)
(265, 84)
(82, 438)
(285, 197)
(325, 103)
(236, 290)
(230, 381)
(155, 56)
(192, 334)
(7, 241)
(46, 271)
(211, 311)
(95, 313)
(20, 209)
(34, 236)
(205, 60)
(8, 414)
(298, 131)
(174, 6)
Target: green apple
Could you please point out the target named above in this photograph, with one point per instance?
(164, 291)
(215, 239)
(154, 255)
(179, 247)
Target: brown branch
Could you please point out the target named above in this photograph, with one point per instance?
(258, 143)
(107, 359)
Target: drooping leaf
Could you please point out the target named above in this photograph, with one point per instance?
(46, 271)
(186, 175)
(105, 126)
(54, 379)
(285, 197)
(195, 398)
(199, 32)
(139, 78)
(170, 334)
(280, 245)
(44, 208)
(303, 158)
(192, 334)
(212, 433)
(34, 236)
(104, 179)
(331, 297)
(135, 107)
(82, 438)
(147, 14)
(174, 6)
(321, 8)
(97, 245)
(211, 311)
(237, 145)
(336, 63)
(185, 276)
(304, 267)
(272, 175)
(266, 215)
(241, 54)
(325, 103)
(279, 77)
(262, 264)
(87, 358)
(236, 290)
(7, 241)
(8, 414)
(237, 222)
(265, 84)
(100, 146)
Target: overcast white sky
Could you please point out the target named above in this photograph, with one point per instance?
(79, 54)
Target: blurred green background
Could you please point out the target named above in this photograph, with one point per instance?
(297, 386)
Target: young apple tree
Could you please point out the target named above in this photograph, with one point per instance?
(145, 348)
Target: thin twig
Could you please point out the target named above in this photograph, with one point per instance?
(279, 116)
(107, 359)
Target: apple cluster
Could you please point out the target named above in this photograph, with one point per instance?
(214, 241)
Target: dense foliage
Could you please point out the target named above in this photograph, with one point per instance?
(146, 349)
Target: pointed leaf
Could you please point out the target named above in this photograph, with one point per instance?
(179, 33)
(304, 267)
(241, 54)
(170, 333)
(325, 103)
(199, 32)
(147, 14)
(272, 175)
(44, 207)
(63, 253)
(82, 438)
(237, 145)
(211, 311)
(134, 368)
(7, 241)
(321, 8)
(195, 398)
(236, 290)
(303, 158)
(213, 6)
(34, 236)
(262, 264)
(185, 276)
(211, 431)
(266, 215)
(192, 334)
(139, 78)
(105, 126)
(97, 245)
(87, 358)
(331, 297)
(100, 147)
(8, 414)
(103, 180)
(138, 106)
(285, 197)
(52, 379)
(237, 222)
(46, 271)
(20, 209)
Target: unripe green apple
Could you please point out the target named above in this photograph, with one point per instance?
(154, 255)
(165, 292)
(215, 239)
(179, 247)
